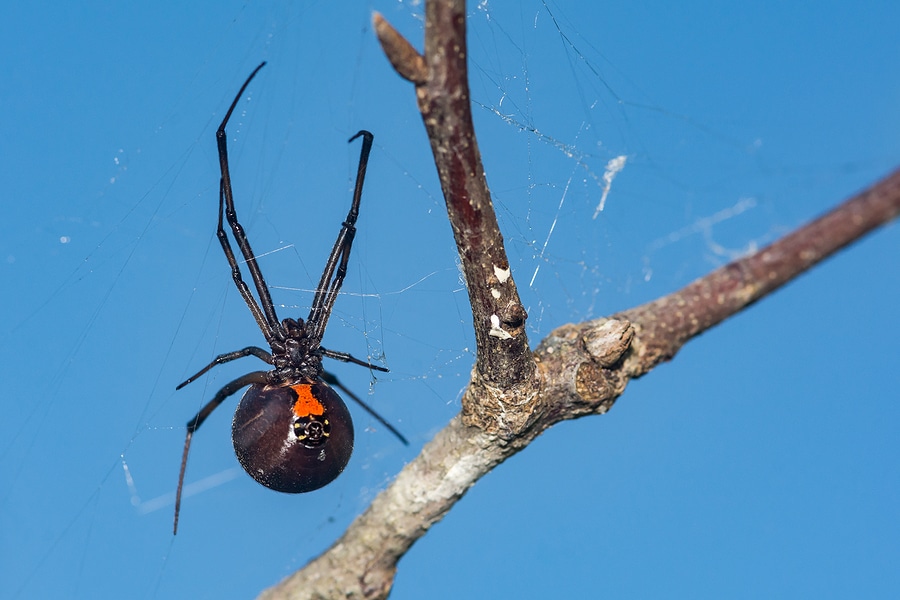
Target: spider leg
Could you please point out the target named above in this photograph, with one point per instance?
(332, 380)
(344, 357)
(336, 266)
(265, 316)
(228, 357)
(195, 423)
(262, 319)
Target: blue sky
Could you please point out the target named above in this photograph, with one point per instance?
(762, 462)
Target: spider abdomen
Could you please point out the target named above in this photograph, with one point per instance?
(292, 438)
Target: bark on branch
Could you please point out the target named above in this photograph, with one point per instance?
(503, 359)
(577, 370)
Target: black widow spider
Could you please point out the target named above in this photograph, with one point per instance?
(291, 431)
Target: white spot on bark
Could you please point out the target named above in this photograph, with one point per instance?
(502, 274)
(496, 330)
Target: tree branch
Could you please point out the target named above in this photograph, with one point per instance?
(503, 359)
(665, 324)
(577, 370)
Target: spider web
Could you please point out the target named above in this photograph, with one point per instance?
(592, 235)
(607, 197)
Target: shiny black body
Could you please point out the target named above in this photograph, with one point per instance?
(281, 460)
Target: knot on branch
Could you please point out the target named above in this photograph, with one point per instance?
(581, 367)
(597, 382)
(606, 340)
